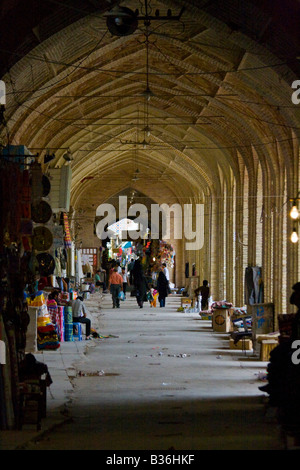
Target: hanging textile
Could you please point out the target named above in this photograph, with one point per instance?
(71, 261)
(61, 323)
(254, 293)
(79, 271)
(67, 239)
(7, 411)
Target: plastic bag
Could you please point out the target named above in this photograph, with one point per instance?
(121, 295)
(150, 296)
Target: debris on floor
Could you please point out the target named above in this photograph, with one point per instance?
(262, 376)
(90, 374)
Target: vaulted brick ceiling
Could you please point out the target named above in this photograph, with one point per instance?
(221, 91)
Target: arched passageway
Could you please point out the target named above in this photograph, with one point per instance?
(220, 128)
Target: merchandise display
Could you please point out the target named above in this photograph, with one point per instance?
(27, 258)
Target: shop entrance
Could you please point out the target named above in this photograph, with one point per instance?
(136, 236)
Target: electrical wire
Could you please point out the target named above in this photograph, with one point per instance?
(91, 14)
(157, 73)
(232, 147)
(76, 66)
(187, 74)
(166, 147)
(265, 120)
(248, 116)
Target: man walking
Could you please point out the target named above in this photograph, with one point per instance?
(115, 286)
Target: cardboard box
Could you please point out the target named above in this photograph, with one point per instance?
(243, 344)
(205, 317)
(221, 320)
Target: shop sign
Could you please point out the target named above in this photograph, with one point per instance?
(2, 352)
(2, 93)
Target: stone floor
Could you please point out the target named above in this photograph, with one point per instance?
(158, 380)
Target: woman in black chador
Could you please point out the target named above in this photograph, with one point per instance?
(140, 283)
(163, 288)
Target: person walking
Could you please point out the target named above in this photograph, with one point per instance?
(115, 286)
(129, 269)
(140, 283)
(203, 291)
(162, 287)
(166, 271)
(125, 281)
(167, 274)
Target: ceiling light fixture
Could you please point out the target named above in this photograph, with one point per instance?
(147, 93)
(294, 214)
(294, 236)
(68, 156)
(122, 21)
(147, 130)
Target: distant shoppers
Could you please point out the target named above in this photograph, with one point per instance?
(162, 287)
(154, 294)
(125, 281)
(119, 267)
(166, 271)
(203, 291)
(167, 274)
(140, 283)
(53, 297)
(112, 265)
(100, 279)
(115, 286)
(79, 315)
(129, 269)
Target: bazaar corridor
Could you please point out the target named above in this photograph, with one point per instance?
(150, 144)
(158, 380)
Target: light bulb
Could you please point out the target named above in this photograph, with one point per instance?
(147, 130)
(294, 236)
(294, 212)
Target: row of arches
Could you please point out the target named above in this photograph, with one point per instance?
(224, 132)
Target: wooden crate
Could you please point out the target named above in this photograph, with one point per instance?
(243, 344)
(266, 347)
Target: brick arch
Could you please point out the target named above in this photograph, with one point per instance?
(216, 89)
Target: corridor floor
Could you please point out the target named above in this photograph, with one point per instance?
(163, 380)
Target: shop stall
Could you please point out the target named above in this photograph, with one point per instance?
(34, 246)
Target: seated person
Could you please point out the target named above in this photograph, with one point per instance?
(53, 297)
(100, 279)
(79, 315)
